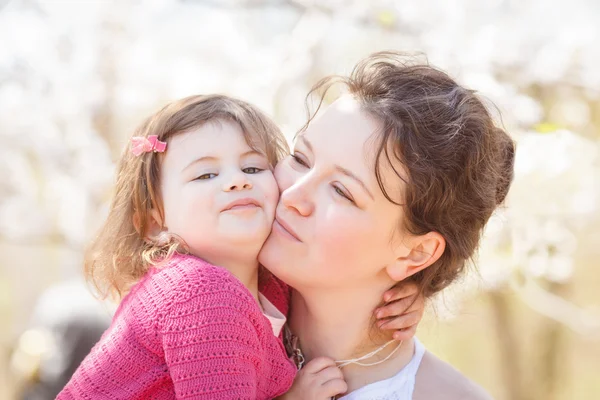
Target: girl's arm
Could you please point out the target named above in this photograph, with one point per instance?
(216, 342)
(212, 348)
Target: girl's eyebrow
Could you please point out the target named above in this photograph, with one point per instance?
(213, 158)
(201, 159)
(251, 153)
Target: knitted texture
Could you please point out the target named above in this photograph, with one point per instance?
(187, 330)
(278, 293)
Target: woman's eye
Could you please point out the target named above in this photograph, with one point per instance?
(252, 170)
(343, 194)
(205, 176)
(299, 160)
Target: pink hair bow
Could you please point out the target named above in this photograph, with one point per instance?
(141, 144)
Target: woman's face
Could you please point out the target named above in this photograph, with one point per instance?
(334, 227)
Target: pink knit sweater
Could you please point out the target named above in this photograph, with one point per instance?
(189, 330)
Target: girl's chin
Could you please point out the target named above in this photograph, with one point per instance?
(247, 235)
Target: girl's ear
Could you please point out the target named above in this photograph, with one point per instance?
(154, 225)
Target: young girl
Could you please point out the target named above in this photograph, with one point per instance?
(194, 203)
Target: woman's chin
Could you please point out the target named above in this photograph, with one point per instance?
(277, 258)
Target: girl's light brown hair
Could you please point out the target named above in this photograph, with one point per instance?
(457, 165)
(122, 252)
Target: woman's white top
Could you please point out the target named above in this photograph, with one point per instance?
(398, 387)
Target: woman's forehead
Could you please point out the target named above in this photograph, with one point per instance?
(344, 118)
(347, 135)
(347, 103)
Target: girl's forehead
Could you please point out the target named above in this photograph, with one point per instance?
(218, 141)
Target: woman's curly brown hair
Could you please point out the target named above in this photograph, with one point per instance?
(457, 164)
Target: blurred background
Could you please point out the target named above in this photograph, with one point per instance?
(76, 77)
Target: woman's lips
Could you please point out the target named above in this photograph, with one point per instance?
(285, 229)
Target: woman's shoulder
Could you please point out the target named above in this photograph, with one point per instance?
(437, 379)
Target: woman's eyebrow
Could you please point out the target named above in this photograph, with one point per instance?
(349, 174)
(306, 143)
(340, 169)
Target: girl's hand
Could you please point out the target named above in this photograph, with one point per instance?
(320, 379)
(402, 312)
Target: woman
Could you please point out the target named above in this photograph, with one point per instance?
(394, 181)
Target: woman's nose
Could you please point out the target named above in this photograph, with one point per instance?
(297, 198)
(237, 181)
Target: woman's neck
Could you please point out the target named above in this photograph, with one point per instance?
(338, 324)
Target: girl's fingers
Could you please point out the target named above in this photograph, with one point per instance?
(400, 291)
(406, 334)
(317, 364)
(417, 305)
(329, 374)
(334, 387)
(405, 321)
(395, 308)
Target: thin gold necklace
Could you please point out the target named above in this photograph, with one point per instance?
(293, 349)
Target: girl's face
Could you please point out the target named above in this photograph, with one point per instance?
(218, 194)
(333, 225)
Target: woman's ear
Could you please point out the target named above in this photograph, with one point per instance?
(424, 250)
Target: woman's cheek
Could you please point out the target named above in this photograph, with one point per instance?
(343, 234)
(271, 190)
(343, 257)
(284, 175)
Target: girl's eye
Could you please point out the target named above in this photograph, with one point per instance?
(252, 170)
(299, 160)
(205, 177)
(343, 194)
